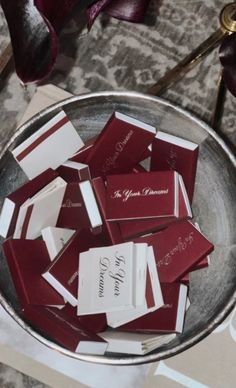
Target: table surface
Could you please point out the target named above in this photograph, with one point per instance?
(122, 56)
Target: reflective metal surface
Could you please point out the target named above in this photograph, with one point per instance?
(212, 290)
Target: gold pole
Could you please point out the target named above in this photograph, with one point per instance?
(228, 25)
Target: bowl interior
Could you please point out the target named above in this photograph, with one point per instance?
(212, 290)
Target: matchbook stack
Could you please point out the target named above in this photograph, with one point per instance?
(100, 240)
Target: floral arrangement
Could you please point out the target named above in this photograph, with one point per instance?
(35, 26)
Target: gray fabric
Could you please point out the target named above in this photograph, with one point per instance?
(123, 56)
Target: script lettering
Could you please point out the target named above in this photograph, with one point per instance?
(72, 278)
(104, 264)
(182, 245)
(111, 161)
(172, 159)
(117, 273)
(118, 277)
(145, 192)
(69, 204)
(117, 194)
(119, 260)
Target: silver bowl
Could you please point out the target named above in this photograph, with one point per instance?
(213, 290)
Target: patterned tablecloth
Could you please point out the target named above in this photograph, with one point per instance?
(121, 56)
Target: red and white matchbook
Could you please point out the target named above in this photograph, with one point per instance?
(41, 210)
(65, 330)
(134, 343)
(177, 250)
(73, 171)
(112, 278)
(13, 201)
(153, 296)
(55, 239)
(82, 154)
(27, 259)
(142, 196)
(79, 207)
(110, 230)
(134, 228)
(62, 273)
(169, 318)
(107, 279)
(49, 146)
(120, 145)
(95, 322)
(174, 153)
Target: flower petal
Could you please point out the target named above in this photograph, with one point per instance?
(130, 10)
(228, 60)
(34, 26)
(94, 10)
(34, 41)
(58, 11)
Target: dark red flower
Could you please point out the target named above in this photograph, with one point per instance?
(34, 27)
(228, 61)
(56, 14)
(129, 10)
